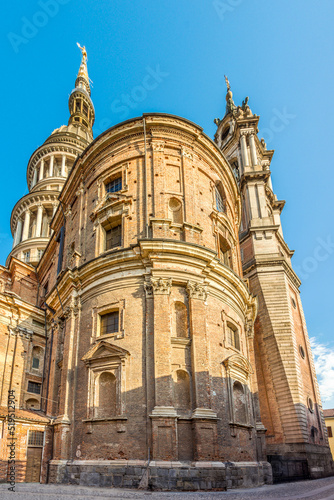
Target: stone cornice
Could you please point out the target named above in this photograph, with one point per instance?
(11, 300)
(93, 278)
(260, 264)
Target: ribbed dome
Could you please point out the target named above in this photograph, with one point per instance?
(73, 128)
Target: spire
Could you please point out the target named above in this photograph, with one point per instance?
(83, 78)
(230, 106)
(80, 104)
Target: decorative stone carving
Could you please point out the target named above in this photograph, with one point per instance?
(22, 332)
(197, 290)
(158, 146)
(246, 131)
(161, 286)
(186, 153)
(148, 287)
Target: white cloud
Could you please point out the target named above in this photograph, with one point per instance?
(324, 366)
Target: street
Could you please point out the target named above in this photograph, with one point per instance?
(320, 489)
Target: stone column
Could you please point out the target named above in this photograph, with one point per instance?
(51, 166)
(41, 171)
(39, 220)
(253, 149)
(18, 232)
(34, 179)
(244, 152)
(26, 225)
(164, 435)
(63, 166)
(204, 418)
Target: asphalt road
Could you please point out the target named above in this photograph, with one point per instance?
(320, 489)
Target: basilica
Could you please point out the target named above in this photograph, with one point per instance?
(151, 329)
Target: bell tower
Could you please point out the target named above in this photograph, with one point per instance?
(297, 443)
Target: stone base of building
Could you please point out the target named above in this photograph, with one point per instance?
(297, 461)
(181, 476)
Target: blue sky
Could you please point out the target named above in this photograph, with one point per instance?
(280, 54)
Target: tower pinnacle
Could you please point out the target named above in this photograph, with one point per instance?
(83, 71)
(80, 103)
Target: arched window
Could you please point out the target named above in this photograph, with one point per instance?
(219, 194)
(37, 358)
(107, 394)
(182, 390)
(239, 402)
(180, 320)
(175, 211)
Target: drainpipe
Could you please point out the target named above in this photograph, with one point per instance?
(145, 180)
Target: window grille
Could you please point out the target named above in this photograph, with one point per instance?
(35, 438)
(114, 185)
(109, 323)
(34, 387)
(219, 201)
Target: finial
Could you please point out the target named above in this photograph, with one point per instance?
(84, 52)
(230, 106)
(228, 85)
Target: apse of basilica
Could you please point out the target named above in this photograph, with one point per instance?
(152, 330)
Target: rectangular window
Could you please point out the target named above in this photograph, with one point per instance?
(109, 323)
(114, 185)
(26, 256)
(35, 363)
(219, 201)
(114, 237)
(35, 438)
(34, 387)
(330, 433)
(225, 251)
(39, 253)
(233, 338)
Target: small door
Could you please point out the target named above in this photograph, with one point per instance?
(34, 460)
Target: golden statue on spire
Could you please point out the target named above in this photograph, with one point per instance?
(228, 85)
(84, 52)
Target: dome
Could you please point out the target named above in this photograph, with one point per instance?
(73, 129)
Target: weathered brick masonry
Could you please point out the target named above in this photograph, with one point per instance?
(175, 353)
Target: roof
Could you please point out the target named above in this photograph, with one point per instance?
(329, 413)
(35, 416)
